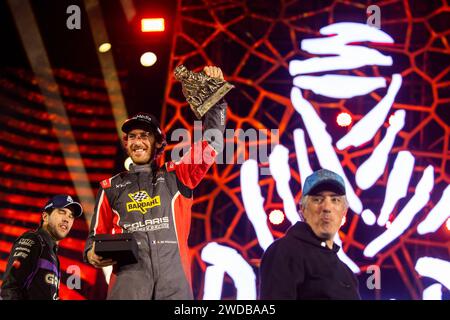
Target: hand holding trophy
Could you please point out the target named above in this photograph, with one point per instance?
(202, 89)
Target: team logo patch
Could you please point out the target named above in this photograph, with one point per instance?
(51, 279)
(141, 201)
(106, 183)
(170, 166)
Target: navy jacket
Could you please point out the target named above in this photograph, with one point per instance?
(299, 266)
(33, 271)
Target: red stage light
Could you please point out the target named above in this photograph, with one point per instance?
(152, 25)
(276, 217)
(344, 119)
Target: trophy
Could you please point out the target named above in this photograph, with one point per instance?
(201, 91)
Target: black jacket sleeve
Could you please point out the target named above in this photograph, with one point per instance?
(280, 273)
(214, 120)
(192, 167)
(22, 262)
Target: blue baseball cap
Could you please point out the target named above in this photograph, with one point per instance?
(63, 201)
(324, 180)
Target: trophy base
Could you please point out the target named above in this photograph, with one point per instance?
(122, 248)
(212, 100)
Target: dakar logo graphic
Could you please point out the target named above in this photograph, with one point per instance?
(141, 201)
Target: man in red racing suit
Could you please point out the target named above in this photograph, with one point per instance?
(155, 205)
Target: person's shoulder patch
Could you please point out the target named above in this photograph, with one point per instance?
(170, 166)
(29, 239)
(106, 183)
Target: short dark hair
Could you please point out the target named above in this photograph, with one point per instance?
(42, 220)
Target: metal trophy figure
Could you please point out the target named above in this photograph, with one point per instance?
(201, 91)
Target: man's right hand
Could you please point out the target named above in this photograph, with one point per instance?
(98, 261)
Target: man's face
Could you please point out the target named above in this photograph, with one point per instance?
(59, 222)
(324, 213)
(141, 146)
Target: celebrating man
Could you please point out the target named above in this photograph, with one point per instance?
(154, 203)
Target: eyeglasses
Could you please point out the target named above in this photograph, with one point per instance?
(145, 136)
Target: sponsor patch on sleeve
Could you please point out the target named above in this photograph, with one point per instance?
(106, 183)
(170, 166)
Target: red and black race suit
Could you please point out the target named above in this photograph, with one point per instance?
(155, 205)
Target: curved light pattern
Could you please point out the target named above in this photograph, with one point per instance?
(391, 119)
(367, 127)
(212, 289)
(301, 151)
(397, 184)
(347, 57)
(433, 292)
(372, 169)
(405, 217)
(280, 170)
(434, 268)
(322, 142)
(254, 202)
(344, 119)
(38, 58)
(235, 266)
(337, 86)
(343, 256)
(369, 217)
(276, 217)
(437, 216)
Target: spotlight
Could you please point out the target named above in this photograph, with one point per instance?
(448, 224)
(148, 59)
(152, 25)
(276, 217)
(104, 47)
(344, 119)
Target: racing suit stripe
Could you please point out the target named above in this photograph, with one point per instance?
(103, 215)
(101, 220)
(116, 226)
(194, 164)
(181, 211)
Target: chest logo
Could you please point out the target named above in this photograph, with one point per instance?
(141, 201)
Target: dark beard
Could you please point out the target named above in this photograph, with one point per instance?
(53, 233)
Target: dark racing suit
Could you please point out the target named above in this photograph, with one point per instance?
(155, 205)
(33, 270)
